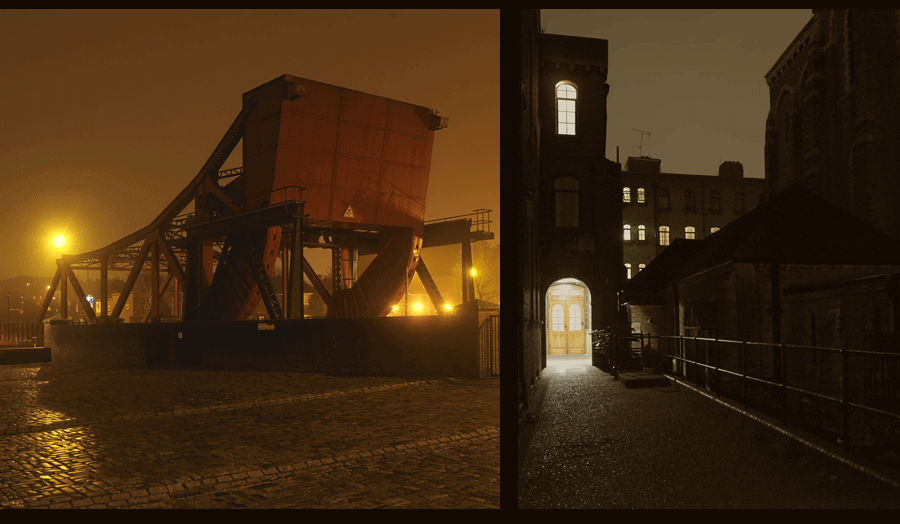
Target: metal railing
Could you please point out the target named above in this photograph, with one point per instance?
(481, 220)
(690, 369)
(489, 334)
(27, 333)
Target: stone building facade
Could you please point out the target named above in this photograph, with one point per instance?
(834, 119)
(658, 207)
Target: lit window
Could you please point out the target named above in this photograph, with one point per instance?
(566, 201)
(565, 108)
(642, 233)
(664, 235)
(713, 230)
(574, 317)
(688, 199)
(714, 201)
(558, 322)
(626, 195)
(627, 232)
(738, 201)
(628, 270)
(663, 199)
(641, 267)
(641, 195)
(690, 233)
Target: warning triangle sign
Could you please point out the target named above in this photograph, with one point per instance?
(348, 213)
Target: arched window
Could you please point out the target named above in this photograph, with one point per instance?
(664, 235)
(641, 267)
(557, 315)
(662, 199)
(641, 199)
(574, 317)
(565, 108)
(714, 201)
(627, 232)
(738, 202)
(628, 270)
(713, 230)
(642, 233)
(566, 201)
(626, 195)
(690, 233)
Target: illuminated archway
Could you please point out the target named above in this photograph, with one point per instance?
(568, 303)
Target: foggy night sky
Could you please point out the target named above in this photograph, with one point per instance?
(693, 78)
(107, 115)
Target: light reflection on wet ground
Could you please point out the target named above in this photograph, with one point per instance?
(108, 437)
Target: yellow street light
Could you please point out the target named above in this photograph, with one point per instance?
(417, 306)
(59, 241)
(472, 271)
(448, 307)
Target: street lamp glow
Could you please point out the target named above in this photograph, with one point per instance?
(448, 307)
(59, 241)
(472, 271)
(417, 306)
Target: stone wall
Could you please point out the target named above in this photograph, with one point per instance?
(408, 346)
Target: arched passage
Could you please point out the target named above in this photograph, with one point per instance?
(568, 316)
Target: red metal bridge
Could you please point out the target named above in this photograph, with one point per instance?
(324, 167)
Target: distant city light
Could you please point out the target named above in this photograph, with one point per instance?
(59, 241)
(417, 306)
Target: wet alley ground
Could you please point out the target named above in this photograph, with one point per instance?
(596, 444)
(199, 439)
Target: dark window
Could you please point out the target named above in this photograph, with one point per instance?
(566, 201)
(689, 199)
(662, 199)
(738, 201)
(714, 201)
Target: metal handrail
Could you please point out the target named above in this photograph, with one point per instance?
(845, 353)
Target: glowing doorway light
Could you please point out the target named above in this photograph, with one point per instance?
(59, 241)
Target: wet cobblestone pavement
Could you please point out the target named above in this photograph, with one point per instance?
(596, 444)
(186, 439)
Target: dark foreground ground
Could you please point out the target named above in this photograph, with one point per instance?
(596, 444)
(198, 439)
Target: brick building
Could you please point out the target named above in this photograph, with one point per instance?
(570, 212)
(580, 239)
(834, 119)
(659, 207)
(525, 165)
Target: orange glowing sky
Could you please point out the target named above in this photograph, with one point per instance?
(107, 115)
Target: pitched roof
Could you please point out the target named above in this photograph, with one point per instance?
(794, 226)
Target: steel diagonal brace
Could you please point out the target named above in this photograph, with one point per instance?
(50, 292)
(88, 309)
(132, 278)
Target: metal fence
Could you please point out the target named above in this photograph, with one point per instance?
(864, 382)
(489, 345)
(24, 334)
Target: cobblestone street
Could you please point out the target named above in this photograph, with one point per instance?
(201, 439)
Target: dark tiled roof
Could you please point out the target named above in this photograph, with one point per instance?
(794, 226)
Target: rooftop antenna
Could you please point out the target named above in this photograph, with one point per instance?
(641, 147)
